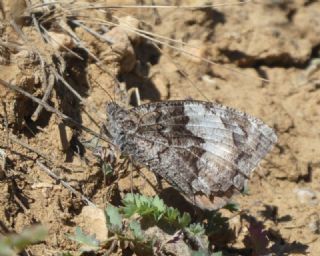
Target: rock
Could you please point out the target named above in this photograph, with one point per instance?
(179, 247)
(306, 196)
(121, 50)
(93, 221)
(314, 223)
(132, 24)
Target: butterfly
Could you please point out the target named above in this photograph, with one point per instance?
(205, 150)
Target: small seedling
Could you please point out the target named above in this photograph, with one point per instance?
(126, 229)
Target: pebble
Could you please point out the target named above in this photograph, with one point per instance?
(306, 196)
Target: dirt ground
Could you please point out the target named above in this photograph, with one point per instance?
(274, 40)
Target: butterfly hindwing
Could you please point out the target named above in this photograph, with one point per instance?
(201, 148)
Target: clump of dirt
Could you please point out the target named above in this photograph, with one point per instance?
(74, 71)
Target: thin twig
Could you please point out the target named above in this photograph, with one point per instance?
(53, 110)
(19, 202)
(53, 175)
(25, 145)
(6, 122)
(50, 38)
(34, 20)
(26, 41)
(45, 98)
(65, 184)
(103, 38)
(69, 87)
(144, 34)
(82, 101)
(133, 29)
(103, 6)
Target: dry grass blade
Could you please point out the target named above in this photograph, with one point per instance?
(50, 38)
(86, 6)
(53, 110)
(166, 42)
(25, 145)
(92, 32)
(65, 184)
(45, 97)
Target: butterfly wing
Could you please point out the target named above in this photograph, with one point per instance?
(204, 149)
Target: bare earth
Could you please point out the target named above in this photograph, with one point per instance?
(275, 40)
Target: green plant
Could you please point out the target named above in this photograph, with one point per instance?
(155, 209)
(126, 225)
(13, 244)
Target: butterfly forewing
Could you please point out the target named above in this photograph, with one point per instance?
(201, 148)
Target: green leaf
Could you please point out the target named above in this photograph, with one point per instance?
(129, 210)
(106, 169)
(90, 242)
(114, 219)
(128, 199)
(17, 242)
(136, 230)
(196, 229)
(172, 215)
(130, 207)
(142, 201)
(159, 204)
(143, 205)
(184, 220)
(217, 253)
(232, 207)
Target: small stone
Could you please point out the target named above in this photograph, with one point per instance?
(314, 224)
(179, 247)
(133, 24)
(306, 196)
(93, 222)
(121, 50)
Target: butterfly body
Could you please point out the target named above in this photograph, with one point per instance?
(205, 150)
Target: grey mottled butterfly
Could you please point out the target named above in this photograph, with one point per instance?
(205, 150)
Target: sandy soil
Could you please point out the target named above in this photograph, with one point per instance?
(275, 40)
